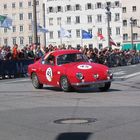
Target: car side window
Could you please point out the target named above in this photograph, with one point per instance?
(50, 60)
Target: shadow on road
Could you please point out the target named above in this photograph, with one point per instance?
(74, 136)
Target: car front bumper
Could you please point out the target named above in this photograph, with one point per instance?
(94, 84)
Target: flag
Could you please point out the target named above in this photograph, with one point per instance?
(5, 22)
(100, 36)
(64, 33)
(86, 35)
(112, 42)
(41, 29)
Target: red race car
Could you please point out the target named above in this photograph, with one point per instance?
(69, 69)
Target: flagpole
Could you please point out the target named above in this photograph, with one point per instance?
(44, 24)
(35, 22)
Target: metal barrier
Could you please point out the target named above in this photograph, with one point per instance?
(16, 68)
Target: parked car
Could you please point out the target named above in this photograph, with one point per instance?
(69, 69)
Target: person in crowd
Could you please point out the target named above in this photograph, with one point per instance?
(15, 52)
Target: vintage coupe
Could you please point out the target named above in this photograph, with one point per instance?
(69, 69)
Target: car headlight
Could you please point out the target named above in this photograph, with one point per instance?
(79, 76)
(109, 74)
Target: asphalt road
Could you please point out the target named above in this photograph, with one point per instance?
(30, 114)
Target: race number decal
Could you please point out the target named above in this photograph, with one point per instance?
(84, 67)
(49, 74)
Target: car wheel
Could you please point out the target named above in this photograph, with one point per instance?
(35, 81)
(106, 87)
(65, 85)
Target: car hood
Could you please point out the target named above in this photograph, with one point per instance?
(84, 67)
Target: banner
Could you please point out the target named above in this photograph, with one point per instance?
(5, 22)
(86, 35)
(64, 33)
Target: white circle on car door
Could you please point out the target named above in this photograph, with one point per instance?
(49, 74)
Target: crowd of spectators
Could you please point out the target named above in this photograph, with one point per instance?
(105, 56)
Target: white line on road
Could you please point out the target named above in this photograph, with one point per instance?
(128, 76)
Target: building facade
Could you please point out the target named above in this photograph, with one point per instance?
(73, 16)
(21, 13)
(88, 15)
(131, 24)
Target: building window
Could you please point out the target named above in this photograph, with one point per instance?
(77, 19)
(59, 21)
(29, 4)
(50, 21)
(134, 9)
(117, 30)
(30, 27)
(68, 20)
(51, 10)
(30, 39)
(14, 40)
(100, 45)
(70, 33)
(135, 36)
(14, 16)
(5, 30)
(118, 44)
(13, 5)
(21, 28)
(59, 9)
(38, 38)
(51, 34)
(99, 18)
(14, 28)
(108, 4)
(21, 16)
(117, 4)
(125, 37)
(5, 6)
(29, 15)
(135, 22)
(90, 46)
(21, 4)
(77, 7)
(21, 40)
(90, 31)
(37, 3)
(124, 9)
(99, 5)
(89, 6)
(124, 22)
(5, 41)
(58, 32)
(68, 7)
(100, 30)
(117, 16)
(89, 18)
(78, 33)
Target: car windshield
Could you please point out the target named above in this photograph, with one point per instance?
(68, 58)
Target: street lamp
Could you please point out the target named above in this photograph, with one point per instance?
(108, 23)
(35, 22)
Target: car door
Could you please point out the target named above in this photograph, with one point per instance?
(48, 70)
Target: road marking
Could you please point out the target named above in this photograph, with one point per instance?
(16, 81)
(128, 76)
(119, 73)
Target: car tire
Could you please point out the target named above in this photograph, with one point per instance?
(36, 82)
(65, 84)
(106, 87)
